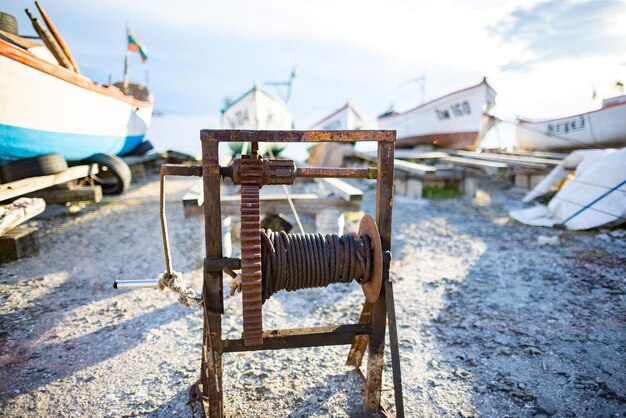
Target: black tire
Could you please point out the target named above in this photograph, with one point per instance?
(8, 23)
(142, 148)
(41, 165)
(113, 173)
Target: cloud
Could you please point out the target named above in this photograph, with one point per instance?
(563, 29)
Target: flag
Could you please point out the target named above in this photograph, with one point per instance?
(136, 46)
(294, 72)
(594, 94)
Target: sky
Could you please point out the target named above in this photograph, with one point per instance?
(544, 58)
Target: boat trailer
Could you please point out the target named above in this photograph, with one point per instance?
(273, 261)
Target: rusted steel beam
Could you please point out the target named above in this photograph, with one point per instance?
(339, 172)
(301, 337)
(212, 291)
(376, 352)
(234, 135)
(181, 170)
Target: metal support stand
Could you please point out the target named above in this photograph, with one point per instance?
(372, 326)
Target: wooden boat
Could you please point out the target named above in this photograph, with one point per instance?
(346, 118)
(256, 109)
(457, 120)
(604, 127)
(48, 108)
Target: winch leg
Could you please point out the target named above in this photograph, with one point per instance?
(357, 351)
(211, 370)
(376, 353)
(395, 349)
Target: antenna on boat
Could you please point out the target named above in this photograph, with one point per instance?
(421, 82)
(288, 83)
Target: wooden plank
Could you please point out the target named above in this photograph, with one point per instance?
(513, 159)
(400, 165)
(276, 203)
(343, 189)
(25, 186)
(19, 242)
(413, 168)
(19, 212)
(270, 203)
(75, 194)
(469, 162)
(413, 154)
(541, 154)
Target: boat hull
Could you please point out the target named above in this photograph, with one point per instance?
(457, 140)
(605, 127)
(47, 109)
(457, 120)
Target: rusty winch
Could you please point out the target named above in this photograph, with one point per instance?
(273, 261)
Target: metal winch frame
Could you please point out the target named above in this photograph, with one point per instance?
(252, 172)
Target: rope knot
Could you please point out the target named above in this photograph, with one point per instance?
(186, 295)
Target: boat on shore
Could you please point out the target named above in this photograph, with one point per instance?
(344, 118)
(332, 154)
(256, 109)
(47, 106)
(458, 120)
(600, 128)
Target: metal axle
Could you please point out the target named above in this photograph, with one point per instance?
(136, 284)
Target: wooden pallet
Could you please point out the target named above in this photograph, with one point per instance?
(273, 201)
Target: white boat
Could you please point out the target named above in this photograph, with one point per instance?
(344, 118)
(457, 120)
(46, 108)
(604, 127)
(331, 154)
(256, 109)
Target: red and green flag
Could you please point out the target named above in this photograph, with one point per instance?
(136, 46)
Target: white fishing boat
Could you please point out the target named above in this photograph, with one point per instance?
(604, 127)
(256, 109)
(458, 120)
(344, 118)
(332, 154)
(47, 106)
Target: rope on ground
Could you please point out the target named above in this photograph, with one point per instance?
(186, 295)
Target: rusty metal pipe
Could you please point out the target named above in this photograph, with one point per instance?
(339, 172)
(181, 170)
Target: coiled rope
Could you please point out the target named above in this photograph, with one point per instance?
(303, 261)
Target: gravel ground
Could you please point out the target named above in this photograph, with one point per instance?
(491, 323)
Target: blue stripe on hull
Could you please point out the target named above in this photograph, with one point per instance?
(16, 142)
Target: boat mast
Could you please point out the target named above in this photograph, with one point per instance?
(421, 82)
(126, 64)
